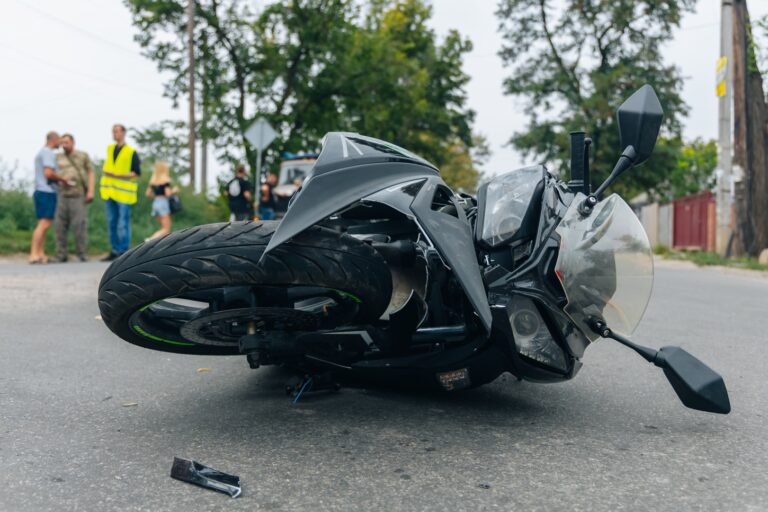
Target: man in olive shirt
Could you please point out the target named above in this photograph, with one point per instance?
(71, 206)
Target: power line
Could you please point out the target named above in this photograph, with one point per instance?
(76, 28)
(76, 72)
(78, 95)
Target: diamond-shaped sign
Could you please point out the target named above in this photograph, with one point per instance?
(260, 134)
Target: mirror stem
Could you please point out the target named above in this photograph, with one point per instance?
(646, 353)
(626, 160)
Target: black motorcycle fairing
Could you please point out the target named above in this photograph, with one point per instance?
(451, 235)
(328, 192)
(399, 197)
(344, 149)
(350, 167)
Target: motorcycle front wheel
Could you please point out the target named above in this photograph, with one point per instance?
(199, 290)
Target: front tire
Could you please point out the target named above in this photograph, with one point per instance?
(218, 256)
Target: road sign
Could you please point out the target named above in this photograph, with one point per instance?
(722, 74)
(260, 134)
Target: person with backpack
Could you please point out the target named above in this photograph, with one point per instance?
(239, 192)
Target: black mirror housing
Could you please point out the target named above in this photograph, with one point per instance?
(696, 384)
(639, 119)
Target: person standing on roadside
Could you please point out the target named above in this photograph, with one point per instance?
(46, 182)
(267, 201)
(118, 188)
(72, 201)
(238, 193)
(160, 190)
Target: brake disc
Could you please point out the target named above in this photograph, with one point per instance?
(225, 328)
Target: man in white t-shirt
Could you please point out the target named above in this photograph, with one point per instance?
(47, 182)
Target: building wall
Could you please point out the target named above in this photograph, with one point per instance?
(665, 225)
(649, 216)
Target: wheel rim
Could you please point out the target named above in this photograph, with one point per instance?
(219, 317)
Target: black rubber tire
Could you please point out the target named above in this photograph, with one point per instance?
(218, 255)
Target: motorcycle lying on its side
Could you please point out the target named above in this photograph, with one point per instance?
(380, 273)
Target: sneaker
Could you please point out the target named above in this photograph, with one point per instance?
(58, 259)
(112, 256)
(83, 258)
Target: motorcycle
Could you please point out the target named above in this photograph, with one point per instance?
(380, 273)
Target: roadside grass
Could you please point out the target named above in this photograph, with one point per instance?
(17, 220)
(703, 258)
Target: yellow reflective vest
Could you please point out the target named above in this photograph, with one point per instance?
(120, 190)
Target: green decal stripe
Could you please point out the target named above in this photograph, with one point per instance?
(348, 295)
(152, 337)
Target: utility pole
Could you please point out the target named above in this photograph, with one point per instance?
(204, 125)
(724, 157)
(191, 58)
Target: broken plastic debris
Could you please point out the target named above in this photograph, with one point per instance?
(195, 473)
(130, 404)
(201, 370)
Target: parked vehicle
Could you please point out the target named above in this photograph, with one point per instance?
(293, 170)
(380, 272)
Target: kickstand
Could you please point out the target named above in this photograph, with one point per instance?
(298, 386)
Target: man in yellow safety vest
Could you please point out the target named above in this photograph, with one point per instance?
(118, 187)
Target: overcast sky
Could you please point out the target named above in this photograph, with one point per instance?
(73, 66)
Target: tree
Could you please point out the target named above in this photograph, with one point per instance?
(165, 140)
(750, 137)
(695, 169)
(313, 66)
(575, 61)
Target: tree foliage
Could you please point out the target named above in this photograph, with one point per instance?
(575, 61)
(694, 172)
(165, 140)
(313, 66)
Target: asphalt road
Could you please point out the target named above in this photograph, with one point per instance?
(615, 438)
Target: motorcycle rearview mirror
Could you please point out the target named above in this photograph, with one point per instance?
(697, 385)
(639, 119)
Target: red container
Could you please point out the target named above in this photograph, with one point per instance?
(694, 222)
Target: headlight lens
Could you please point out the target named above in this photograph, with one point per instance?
(532, 335)
(507, 200)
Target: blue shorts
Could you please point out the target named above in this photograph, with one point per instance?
(160, 207)
(45, 204)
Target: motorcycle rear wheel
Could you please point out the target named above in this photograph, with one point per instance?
(211, 258)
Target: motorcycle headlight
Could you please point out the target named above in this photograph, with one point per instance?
(506, 202)
(532, 336)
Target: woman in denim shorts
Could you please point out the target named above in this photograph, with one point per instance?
(160, 189)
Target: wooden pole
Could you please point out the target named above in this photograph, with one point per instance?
(203, 129)
(750, 141)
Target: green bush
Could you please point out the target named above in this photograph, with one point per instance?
(7, 226)
(17, 219)
(17, 206)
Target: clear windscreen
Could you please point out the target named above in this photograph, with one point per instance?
(605, 266)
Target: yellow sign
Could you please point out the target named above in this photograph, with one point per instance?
(722, 72)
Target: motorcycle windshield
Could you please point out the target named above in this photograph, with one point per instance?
(605, 266)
